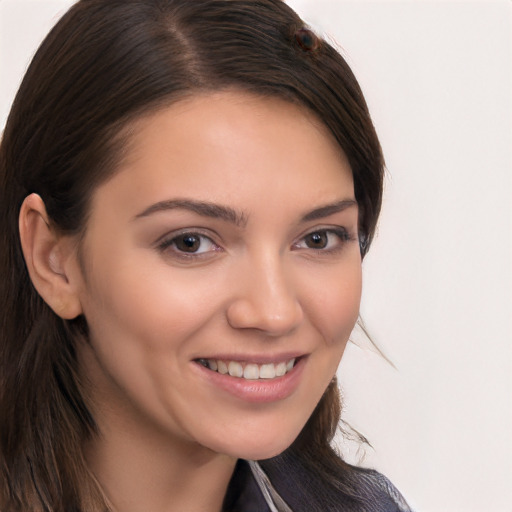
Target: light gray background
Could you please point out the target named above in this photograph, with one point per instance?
(437, 282)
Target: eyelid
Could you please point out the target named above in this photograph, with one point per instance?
(344, 235)
(164, 243)
(170, 235)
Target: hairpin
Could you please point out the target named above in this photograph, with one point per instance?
(364, 242)
(307, 39)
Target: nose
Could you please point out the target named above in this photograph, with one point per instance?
(265, 299)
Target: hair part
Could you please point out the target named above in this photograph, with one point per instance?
(104, 65)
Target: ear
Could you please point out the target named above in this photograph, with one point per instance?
(51, 259)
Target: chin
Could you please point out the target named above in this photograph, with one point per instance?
(258, 446)
(259, 452)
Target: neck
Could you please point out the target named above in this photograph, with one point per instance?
(140, 470)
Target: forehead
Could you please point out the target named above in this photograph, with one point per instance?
(214, 146)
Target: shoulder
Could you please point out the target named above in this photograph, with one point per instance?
(377, 493)
(298, 489)
(339, 487)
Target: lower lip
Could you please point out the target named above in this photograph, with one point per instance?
(257, 391)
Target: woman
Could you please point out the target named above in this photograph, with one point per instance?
(188, 189)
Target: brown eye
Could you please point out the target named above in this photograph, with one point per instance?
(324, 241)
(188, 242)
(188, 245)
(317, 240)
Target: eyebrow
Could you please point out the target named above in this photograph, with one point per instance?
(233, 216)
(329, 209)
(204, 208)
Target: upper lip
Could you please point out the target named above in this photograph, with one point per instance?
(255, 358)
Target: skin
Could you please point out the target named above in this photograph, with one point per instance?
(256, 286)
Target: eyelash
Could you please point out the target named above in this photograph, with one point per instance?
(333, 246)
(168, 243)
(342, 235)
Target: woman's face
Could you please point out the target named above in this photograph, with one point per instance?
(226, 242)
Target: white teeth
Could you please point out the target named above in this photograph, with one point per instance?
(249, 371)
(222, 367)
(235, 369)
(280, 369)
(267, 371)
(252, 372)
(289, 364)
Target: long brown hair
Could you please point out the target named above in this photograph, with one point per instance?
(105, 63)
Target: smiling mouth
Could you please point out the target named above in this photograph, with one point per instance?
(249, 371)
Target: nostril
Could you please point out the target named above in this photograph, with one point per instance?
(271, 317)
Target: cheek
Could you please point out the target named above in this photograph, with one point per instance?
(336, 306)
(154, 304)
(141, 320)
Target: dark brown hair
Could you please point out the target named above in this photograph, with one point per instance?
(105, 63)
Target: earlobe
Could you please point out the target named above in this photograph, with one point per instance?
(50, 258)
